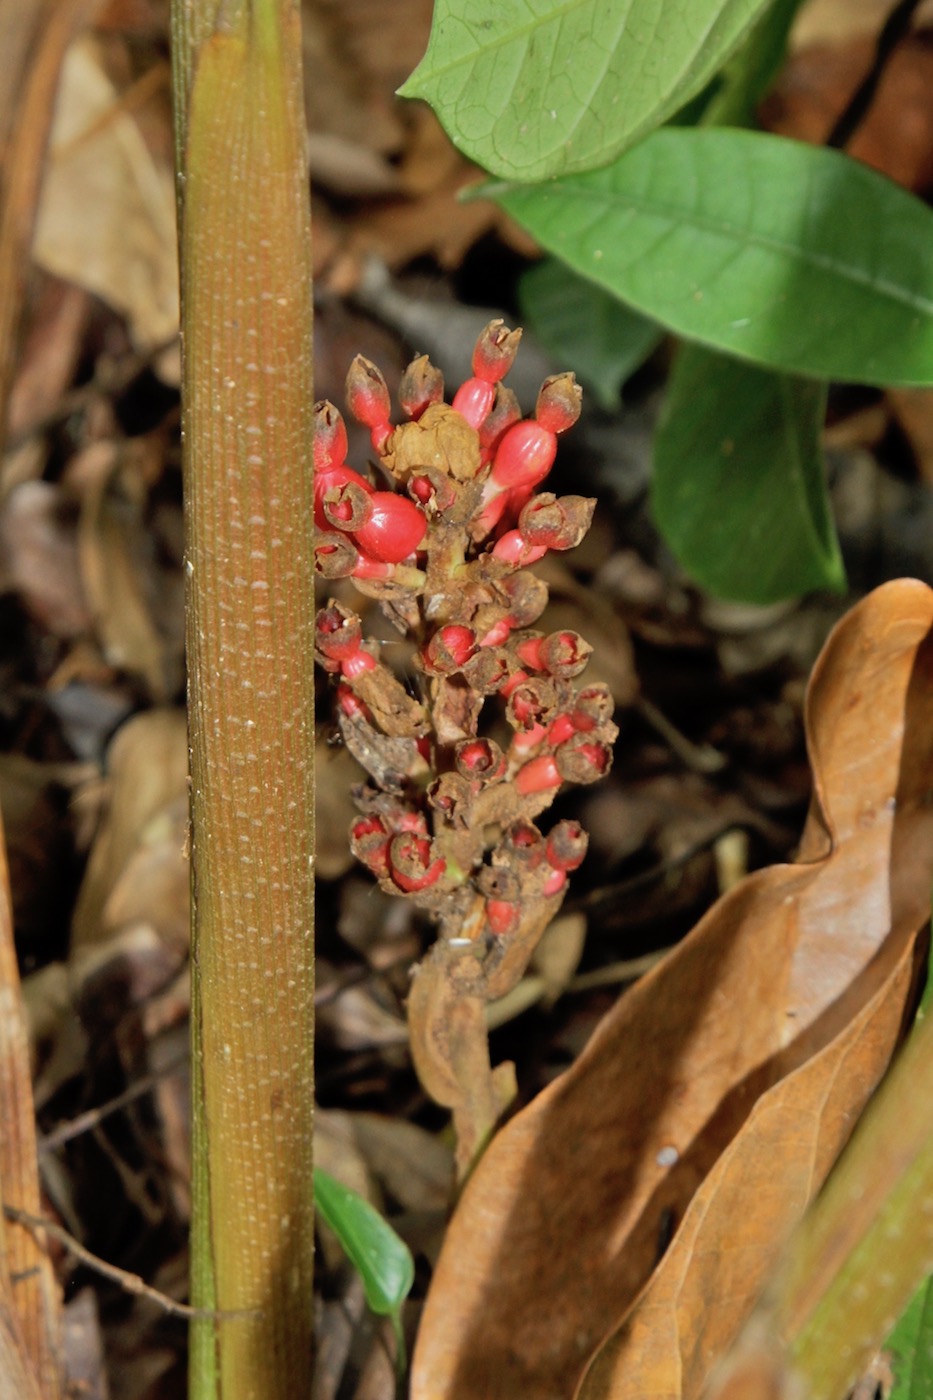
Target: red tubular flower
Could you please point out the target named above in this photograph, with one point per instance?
(495, 351)
(561, 730)
(583, 760)
(531, 703)
(557, 522)
(328, 483)
(525, 741)
(369, 841)
(394, 530)
(554, 883)
(368, 400)
(449, 649)
(351, 705)
(538, 775)
(358, 664)
(330, 437)
(524, 845)
(480, 760)
(412, 863)
(473, 400)
(524, 456)
(502, 916)
(513, 548)
(562, 654)
(421, 385)
(347, 507)
(505, 411)
(559, 402)
(338, 634)
(335, 556)
(566, 845)
(432, 489)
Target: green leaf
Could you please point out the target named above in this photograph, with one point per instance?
(787, 255)
(911, 1348)
(530, 88)
(585, 328)
(751, 71)
(383, 1261)
(739, 488)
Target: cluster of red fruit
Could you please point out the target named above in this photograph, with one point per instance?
(445, 548)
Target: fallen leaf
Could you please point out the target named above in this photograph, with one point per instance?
(106, 216)
(756, 1042)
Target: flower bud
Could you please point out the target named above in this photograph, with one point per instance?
(557, 522)
(394, 530)
(531, 703)
(559, 402)
(421, 385)
(495, 351)
(451, 795)
(327, 484)
(488, 670)
(368, 399)
(412, 863)
(330, 437)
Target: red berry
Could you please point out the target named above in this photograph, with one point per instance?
(369, 842)
(358, 664)
(394, 530)
(337, 633)
(555, 882)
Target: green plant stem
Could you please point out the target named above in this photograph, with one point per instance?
(247, 399)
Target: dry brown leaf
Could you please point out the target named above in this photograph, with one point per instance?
(40, 557)
(756, 1042)
(114, 554)
(107, 213)
(142, 833)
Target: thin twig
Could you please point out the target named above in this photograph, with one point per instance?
(895, 28)
(37, 1225)
(92, 1117)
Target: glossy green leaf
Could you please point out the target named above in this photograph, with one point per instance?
(383, 1261)
(739, 488)
(531, 88)
(910, 1346)
(784, 254)
(585, 328)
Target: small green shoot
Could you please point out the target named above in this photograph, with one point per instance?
(382, 1260)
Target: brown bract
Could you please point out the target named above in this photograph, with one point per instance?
(715, 1097)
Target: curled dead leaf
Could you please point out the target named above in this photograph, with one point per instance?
(756, 1042)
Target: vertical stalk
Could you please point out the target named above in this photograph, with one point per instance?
(247, 399)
